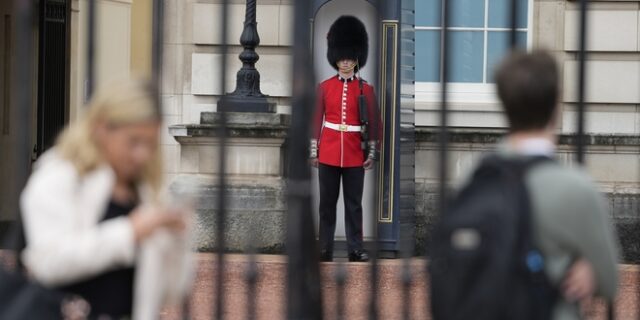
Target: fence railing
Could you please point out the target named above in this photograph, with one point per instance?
(304, 298)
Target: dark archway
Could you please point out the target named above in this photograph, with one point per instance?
(53, 71)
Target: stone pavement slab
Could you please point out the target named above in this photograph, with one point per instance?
(271, 286)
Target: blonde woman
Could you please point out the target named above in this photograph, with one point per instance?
(94, 220)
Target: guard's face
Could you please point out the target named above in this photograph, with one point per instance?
(346, 65)
(129, 148)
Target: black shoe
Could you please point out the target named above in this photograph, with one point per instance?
(358, 256)
(326, 256)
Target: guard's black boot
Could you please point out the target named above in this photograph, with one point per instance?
(358, 256)
(326, 256)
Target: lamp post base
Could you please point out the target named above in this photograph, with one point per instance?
(232, 103)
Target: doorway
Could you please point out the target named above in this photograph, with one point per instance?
(53, 72)
(325, 16)
(51, 85)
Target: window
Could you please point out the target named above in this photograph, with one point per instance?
(478, 32)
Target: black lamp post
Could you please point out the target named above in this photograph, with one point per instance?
(247, 97)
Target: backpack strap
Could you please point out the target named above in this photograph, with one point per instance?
(533, 261)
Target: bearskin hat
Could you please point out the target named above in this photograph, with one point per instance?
(347, 39)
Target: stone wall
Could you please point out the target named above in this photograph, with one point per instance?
(623, 208)
(257, 203)
(256, 218)
(255, 186)
(612, 161)
(613, 67)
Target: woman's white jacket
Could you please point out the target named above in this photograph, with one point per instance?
(66, 242)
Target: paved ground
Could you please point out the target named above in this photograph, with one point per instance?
(271, 289)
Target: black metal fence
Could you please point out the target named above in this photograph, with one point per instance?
(304, 298)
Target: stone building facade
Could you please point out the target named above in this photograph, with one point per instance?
(123, 48)
(613, 86)
(256, 154)
(613, 122)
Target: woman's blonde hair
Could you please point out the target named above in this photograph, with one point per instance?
(123, 103)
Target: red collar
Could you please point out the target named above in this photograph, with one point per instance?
(353, 77)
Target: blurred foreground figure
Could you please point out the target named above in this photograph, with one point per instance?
(93, 214)
(525, 238)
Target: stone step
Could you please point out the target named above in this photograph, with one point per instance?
(271, 289)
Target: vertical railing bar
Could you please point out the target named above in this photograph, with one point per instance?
(513, 39)
(611, 310)
(157, 63)
(22, 105)
(373, 299)
(407, 250)
(42, 35)
(443, 136)
(157, 46)
(374, 273)
(341, 280)
(252, 281)
(304, 298)
(582, 57)
(186, 307)
(222, 138)
(406, 279)
(91, 49)
(251, 274)
(580, 135)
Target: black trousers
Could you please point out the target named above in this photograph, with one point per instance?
(352, 185)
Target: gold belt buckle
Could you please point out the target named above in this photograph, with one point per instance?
(343, 127)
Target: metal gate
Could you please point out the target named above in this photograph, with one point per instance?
(304, 298)
(53, 71)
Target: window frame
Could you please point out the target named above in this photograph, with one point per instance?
(463, 92)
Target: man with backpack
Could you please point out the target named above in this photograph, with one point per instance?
(525, 238)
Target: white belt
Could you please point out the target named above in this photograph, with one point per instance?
(342, 127)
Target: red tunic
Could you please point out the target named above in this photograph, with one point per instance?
(341, 148)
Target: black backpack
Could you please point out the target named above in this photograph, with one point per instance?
(484, 265)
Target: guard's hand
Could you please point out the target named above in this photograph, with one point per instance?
(313, 162)
(579, 282)
(368, 164)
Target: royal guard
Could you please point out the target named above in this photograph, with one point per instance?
(346, 134)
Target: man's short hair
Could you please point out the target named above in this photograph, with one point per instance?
(528, 88)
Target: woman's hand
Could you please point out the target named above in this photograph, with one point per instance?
(147, 220)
